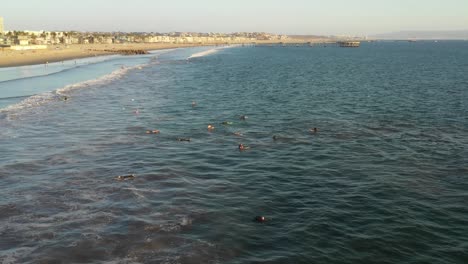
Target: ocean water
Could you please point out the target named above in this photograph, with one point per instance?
(384, 180)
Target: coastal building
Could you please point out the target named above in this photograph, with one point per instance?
(33, 33)
(21, 40)
(1, 25)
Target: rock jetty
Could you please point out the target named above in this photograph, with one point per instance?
(127, 51)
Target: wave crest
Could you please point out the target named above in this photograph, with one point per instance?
(209, 52)
(56, 95)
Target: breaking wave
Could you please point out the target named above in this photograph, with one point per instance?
(208, 52)
(59, 94)
(8, 74)
(99, 81)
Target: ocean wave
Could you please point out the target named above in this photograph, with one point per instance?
(99, 81)
(53, 67)
(15, 97)
(38, 75)
(208, 52)
(57, 95)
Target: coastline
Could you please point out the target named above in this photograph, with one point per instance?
(57, 53)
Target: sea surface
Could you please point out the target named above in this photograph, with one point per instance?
(383, 180)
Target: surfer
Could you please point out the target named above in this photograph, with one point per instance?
(243, 147)
(126, 177)
(260, 219)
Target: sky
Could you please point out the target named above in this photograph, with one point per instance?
(305, 17)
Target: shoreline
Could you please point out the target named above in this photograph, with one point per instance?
(58, 53)
(61, 52)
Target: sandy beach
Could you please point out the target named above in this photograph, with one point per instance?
(55, 53)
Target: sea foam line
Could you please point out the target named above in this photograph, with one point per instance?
(99, 81)
(209, 52)
(47, 97)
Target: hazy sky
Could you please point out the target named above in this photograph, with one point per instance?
(358, 17)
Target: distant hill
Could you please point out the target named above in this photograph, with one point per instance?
(455, 34)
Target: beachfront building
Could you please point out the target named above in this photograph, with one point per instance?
(33, 33)
(1, 26)
(21, 40)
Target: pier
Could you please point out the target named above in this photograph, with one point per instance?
(345, 44)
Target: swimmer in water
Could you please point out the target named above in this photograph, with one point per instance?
(194, 104)
(243, 147)
(243, 117)
(136, 112)
(238, 134)
(126, 177)
(313, 130)
(275, 137)
(260, 219)
(210, 127)
(152, 131)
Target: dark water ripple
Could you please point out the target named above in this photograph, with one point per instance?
(383, 181)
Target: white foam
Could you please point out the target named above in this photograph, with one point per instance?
(209, 52)
(47, 97)
(99, 81)
(142, 190)
(203, 53)
(32, 101)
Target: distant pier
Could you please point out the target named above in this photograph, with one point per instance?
(345, 44)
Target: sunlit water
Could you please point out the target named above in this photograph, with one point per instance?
(384, 180)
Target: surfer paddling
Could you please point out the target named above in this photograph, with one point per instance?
(242, 147)
(313, 130)
(126, 177)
